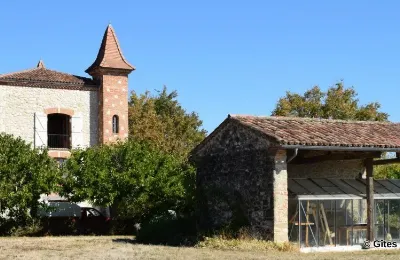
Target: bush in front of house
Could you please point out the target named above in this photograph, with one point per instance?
(135, 178)
(25, 174)
(168, 229)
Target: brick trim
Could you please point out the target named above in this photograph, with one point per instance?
(59, 154)
(59, 110)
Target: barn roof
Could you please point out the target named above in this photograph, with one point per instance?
(293, 132)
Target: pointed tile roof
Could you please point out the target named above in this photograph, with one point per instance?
(42, 77)
(110, 54)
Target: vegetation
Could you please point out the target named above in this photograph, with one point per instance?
(337, 103)
(389, 171)
(162, 121)
(134, 177)
(106, 247)
(25, 174)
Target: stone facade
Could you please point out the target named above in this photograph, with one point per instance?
(339, 169)
(18, 106)
(235, 181)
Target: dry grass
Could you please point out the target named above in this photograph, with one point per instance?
(246, 244)
(124, 248)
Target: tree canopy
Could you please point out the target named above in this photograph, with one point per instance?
(25, 174)
(134, 177)
(161, 120)
(338, 102)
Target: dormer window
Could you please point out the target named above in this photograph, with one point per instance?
(115, 124)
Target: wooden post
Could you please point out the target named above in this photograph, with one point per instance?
(370, 200)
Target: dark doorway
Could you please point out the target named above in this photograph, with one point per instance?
(59, 131)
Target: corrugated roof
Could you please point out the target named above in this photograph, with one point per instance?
(334, 189)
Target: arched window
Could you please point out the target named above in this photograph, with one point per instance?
(115, 124)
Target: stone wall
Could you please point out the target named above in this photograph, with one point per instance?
(341, 169)
(236, 189)
(18, 106)
(235, 182)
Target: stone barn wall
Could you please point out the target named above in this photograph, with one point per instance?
(235, 181)
(338, 169)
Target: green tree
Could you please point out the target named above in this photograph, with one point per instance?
(162, 121)
(25, 174)
(337, 103)
(137, 179)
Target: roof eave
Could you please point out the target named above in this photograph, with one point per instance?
(342, 148)
(94, 68)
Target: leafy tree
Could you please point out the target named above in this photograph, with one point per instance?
(134, 177)
(337, 103)
(162, 121)
(25, 173)
(388, 171)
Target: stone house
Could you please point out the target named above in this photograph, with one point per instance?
(281, 176)
(60, 111)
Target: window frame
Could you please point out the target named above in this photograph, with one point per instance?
(115, 124)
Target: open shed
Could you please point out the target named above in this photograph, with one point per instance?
(331, 212)
(305, 180)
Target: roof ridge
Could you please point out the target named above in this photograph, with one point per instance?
(293, 118)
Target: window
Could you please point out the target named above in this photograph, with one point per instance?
(115, 124)
(59, 131)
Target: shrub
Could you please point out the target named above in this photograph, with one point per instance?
(25, 174)
(168, 230)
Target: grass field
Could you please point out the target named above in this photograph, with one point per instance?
(124, 248)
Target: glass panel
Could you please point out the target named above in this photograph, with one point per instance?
(308, 224)
(326, 224)
(379, 219)
(393, 220)
(344, 222)
(293, 214)
(359, 233)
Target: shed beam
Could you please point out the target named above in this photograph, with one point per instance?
(336, 157)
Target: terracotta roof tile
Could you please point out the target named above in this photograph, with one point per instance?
(110, 54)
(42, 76)
(325, 132)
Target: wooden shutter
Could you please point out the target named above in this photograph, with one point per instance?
(40, 129)
(76, 131)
